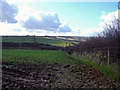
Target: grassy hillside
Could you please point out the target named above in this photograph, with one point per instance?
(42, 40)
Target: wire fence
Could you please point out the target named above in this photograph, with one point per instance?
(108, 54)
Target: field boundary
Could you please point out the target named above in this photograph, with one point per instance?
(109, 54)
(7, 45)
(104, 69)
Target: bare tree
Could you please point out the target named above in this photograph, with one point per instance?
(112, 30)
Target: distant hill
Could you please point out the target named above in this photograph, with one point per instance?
(51, 40)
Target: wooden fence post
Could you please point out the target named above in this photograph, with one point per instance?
(108, 57)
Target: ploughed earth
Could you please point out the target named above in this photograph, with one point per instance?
(53, 75)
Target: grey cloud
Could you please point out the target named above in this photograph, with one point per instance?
(9, 13)
(48, 22)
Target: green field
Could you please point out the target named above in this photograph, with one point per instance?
(38, 39)
(34, 56)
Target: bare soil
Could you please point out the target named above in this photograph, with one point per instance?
(45, 75)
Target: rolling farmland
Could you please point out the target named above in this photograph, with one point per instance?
(59, 45)
(55, 41)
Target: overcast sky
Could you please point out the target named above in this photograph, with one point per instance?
(55, 18)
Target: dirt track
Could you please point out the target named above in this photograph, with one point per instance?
(43, 75)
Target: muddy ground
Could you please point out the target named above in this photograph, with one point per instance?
(44, 75)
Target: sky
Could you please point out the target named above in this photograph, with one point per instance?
(55, 18)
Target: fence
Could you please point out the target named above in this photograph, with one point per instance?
(109, 54)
